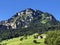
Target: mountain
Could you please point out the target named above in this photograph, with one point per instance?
(28, 18)
(28, 22)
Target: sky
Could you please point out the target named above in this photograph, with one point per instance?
(10, 7)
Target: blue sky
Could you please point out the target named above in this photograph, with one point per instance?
(9, 7)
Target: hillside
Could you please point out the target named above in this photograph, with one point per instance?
(28, 41)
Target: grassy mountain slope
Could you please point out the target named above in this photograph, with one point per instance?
(28, 41)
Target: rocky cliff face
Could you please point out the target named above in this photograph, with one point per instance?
(25, 18)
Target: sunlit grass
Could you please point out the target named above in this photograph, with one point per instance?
(28, 41)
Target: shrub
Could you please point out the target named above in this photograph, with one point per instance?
(21, 39)
(53, 38)
(35, 41)
(57, 41)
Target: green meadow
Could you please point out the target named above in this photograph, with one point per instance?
(28, 41)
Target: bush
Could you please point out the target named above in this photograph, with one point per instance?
(21, 39)
(53, 38)
(57, 41)
(35, 41)
(35, 37)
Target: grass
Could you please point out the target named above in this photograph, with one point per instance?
(28, 41)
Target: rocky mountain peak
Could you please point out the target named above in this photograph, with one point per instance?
(24, 18)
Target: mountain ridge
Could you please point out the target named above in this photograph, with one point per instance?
(24, 17)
